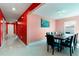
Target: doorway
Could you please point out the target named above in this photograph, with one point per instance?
(10, 29)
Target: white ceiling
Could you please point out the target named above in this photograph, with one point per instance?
(11, 15)
(52, 10)
(58, 10)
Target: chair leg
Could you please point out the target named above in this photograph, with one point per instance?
(75, 45)
(58, 49)
(73, 50)
(47, 48)
(52, 50)
(70, 51)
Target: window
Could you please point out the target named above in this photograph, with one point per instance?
(69, 27)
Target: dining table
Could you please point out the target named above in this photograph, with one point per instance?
(62, 38)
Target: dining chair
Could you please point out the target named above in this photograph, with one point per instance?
(69, 44)
(51, 42)
(48, 33)
(75, 40)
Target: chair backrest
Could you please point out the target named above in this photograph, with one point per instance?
(76, 36)
(71, 40)
(67, 32)
(48, 33)
(50, 39)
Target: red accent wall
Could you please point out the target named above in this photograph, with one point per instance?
(0, 34)
(1, 18)
(21, 29)
(21, 24)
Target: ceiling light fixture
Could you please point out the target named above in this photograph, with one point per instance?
(22, 17)
(1, 21)
(61, 12)
(14, 9)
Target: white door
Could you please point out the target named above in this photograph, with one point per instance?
(10, 29)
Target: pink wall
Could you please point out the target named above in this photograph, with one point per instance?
(34, 31)
(60, 22)
(59, 26)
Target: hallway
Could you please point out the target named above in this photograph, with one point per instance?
(11, 41)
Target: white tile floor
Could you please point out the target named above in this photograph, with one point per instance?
(16, 48)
